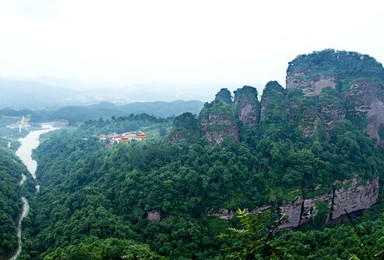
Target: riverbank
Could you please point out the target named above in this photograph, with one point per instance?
(28, 144)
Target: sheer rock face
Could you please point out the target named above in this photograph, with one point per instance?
(311, 86)
(217, 120)
(310, 210)
(352, 195)
(330, 116)
(302, 210)
(248, 114)
(309, 123)
(176, 136)
(185, 128)
(229, 214)
(247, 105)
(154, 215)
(363, 97)
(216, 129)
(224, 214)
(293, 213)
(366, 97)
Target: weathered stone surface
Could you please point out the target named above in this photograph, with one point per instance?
(367, 98)
(176, 136)
(224, 214)
(330, 117)
(353, 85)
(248, 114)
(229, 214)
(311, 86)
(354, 195)
(247, 105)
(294, 110)
(185, 128)
(309, 207)
(357, 196)
(217, 119)
(216, 128)
(154, 215)
(293, 213)
(309, 123)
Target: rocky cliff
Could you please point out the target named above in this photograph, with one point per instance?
(365, 99)
(357, 82)
(351, 195)
(322, 89)
(217, 119)
(311, 85)
(321, 104)
(247, 106)
(217, 127)
(185, 128)
(330, 99)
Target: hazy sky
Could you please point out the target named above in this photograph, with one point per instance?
(123, 42)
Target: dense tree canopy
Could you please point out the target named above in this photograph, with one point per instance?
(224, 95)
(160, 199)
(10, 200)
(88, 190)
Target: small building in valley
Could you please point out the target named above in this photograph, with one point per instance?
(122, 138)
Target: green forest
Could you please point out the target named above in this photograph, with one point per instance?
(161, 198)
(90, 193)
(11, 169)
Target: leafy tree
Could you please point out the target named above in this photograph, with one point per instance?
(255, 239)
(163, 131)
(111, 248)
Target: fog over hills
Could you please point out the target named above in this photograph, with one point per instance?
(46, 99)
(18, 94)
(53, 93)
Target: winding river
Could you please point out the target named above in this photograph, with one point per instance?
(28, 143)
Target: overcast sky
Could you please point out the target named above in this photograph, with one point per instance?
(123, 42)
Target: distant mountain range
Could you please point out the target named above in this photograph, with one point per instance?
(46, 98)
(106, 110)
(53, 93)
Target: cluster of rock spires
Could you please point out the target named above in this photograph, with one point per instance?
(316, 95)
(322, 89)
(220, 119)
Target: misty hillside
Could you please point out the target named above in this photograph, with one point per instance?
(54, 93)
(19, 94)
(107, 110)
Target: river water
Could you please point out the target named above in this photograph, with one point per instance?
(28, 143)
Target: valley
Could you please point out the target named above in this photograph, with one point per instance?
(142, 186)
